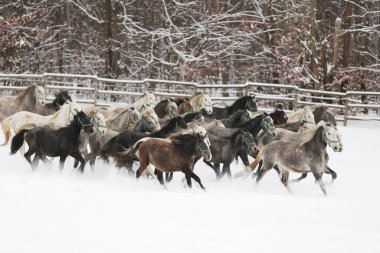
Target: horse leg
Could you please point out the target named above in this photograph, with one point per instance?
(303, 176)
(258, 170)
(318, 177)
(36, 160)
(195, 177)
(62, 160)
(215, 169)
(188, 180)
(285, 179)
(160, 177)
(78, 156)
(28, 155)
(168, 177)
(46, 161)
(260, 174)
(332, 173)
(226, 168)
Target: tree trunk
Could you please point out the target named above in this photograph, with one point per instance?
(313, 58)
(347, 35)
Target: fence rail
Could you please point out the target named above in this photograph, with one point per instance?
(91, 89)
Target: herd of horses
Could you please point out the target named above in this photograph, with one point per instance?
(172, 135)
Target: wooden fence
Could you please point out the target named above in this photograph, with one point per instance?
(99, 91)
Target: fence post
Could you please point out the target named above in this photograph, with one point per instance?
(96, 91)
(295, 103)
(345, 110)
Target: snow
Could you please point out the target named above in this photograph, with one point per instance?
(109, 211)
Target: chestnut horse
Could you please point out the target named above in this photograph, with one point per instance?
(170, 155)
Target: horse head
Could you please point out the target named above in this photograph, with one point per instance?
(331, 136)
(171, 109)
(61, 98)
(250, 104)
(84, 122)
(203, 147)
(249, 143)
(149, 124)
(99, 122)
(267, 125)
(39, 95)
(145, 110)
(149, 99)
(203, 101)
(308, 116)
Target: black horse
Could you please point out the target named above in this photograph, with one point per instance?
(60, 98)
(253, 126)
(126, 139)
(245, 103)
(62, 142)
(224, 150)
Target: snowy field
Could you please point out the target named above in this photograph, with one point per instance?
(109, 211)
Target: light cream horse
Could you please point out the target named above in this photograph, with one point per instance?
(28, 120)
(202, 101)
(148, 99)
(26, 100)
(305, 114)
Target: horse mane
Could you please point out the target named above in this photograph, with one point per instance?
(23, 93)
(191, 116)
(255, 119)
(240, 100)
(61, 92)
(181, 138)
(308, 135)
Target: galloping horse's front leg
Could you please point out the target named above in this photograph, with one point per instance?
(332, 173)
(62, 160)
(215, 169)
(318, 177)
(78, 156)
(303, 176)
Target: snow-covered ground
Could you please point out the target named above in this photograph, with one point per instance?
(108, 211)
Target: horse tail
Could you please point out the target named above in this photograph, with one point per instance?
(6, 126)
(130, 152)
(18, 141)
(259, 157)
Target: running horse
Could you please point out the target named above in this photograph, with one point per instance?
(170, 155)
(26, 100)
(307, 155)
(245, 103)
(62, 142)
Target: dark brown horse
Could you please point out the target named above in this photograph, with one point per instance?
(325, 114)
(184, 105)
(170, 155)
(279, 117)
(166, 109)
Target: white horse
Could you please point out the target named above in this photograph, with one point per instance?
(305, 114)
(202, 101)
(148, 99)
(29, 99)
(28, 120)
(149, 111)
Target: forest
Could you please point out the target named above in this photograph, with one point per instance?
(326, 45)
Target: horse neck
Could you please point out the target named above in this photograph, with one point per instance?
(236, 140)
(27, 99)
(234, 118)
(73, 128)
(296, 115)
(165, 131)
(253, 125)
(189, 145)
(139, 127)
(316, 144)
